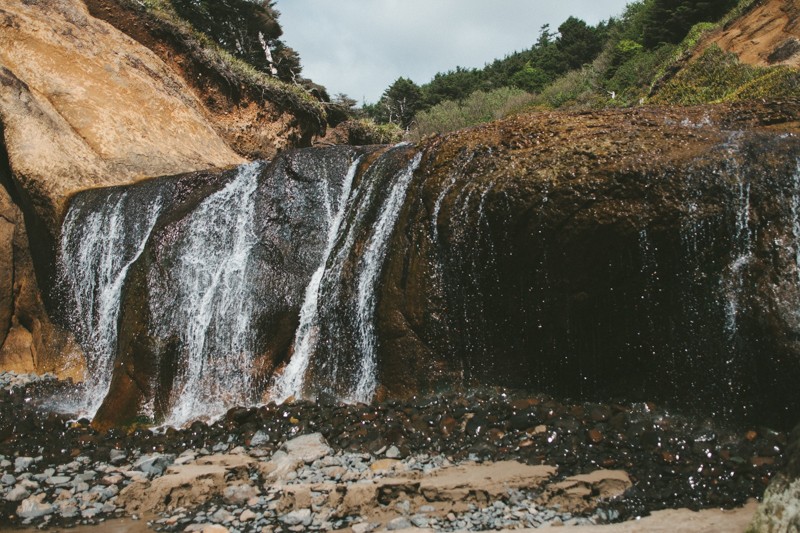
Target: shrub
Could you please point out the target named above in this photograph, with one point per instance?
(366, 131)
(477, 108)
(719, 76)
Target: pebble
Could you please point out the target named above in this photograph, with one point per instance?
(17, 494)
(298, 517)
(33, 507)
(96, 467)
(400, 522)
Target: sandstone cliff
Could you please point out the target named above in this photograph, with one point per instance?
(81, 106)
(255, 115)
(767, 34)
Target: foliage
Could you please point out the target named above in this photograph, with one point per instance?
(668, 21)
(477, 108)
(247, 29)
(366, 131)
(631, 79)
(237, 73)
(530, 79)
(718, 76)
(578, 42)
(575, 89)
(620, 62)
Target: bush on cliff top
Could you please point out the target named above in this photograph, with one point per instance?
(237, 73)
(718, 76)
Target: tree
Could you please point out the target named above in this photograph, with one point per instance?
(247, 29)
(578, 42)
(402, 100)
(530, 79)
(668, 21)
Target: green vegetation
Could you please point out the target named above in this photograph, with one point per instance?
(209, 32)
(642, 56)
(477, 108)
(719, 77)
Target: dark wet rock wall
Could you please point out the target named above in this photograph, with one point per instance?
(646, 255)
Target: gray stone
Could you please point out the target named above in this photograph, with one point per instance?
(393, 452)
(400, 522)
(239, 494)
(298, 517)
(69, 510)
(117, 457)
(34, 508)
(221, 517)
(308, 448)
(364, 527)
(419, 521)
(58, 480)
(91, 512)
(17, 494)
(8, 479)
(29, 484)
(22, 463)
(88, 475)
(259, 439)
(154, 464)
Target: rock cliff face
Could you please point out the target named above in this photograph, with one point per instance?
(29, 341)
(256, 121)
(620, 254)
(81, 106)
(624, 254)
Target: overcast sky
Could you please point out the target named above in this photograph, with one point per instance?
(359, 47)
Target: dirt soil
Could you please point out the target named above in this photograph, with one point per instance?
(769, 34)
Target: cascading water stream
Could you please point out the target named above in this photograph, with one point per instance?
(373, 260)
(290, 382)
(98, 246)
(211, 306)
(339, 308)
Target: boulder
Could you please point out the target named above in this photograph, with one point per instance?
(559, 251)
(82, 105)
(780, 508)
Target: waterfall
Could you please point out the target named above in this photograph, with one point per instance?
(290, 382)
(796, 217)
(339, 309)
(212, 304)
(99, 243)
(368, 281)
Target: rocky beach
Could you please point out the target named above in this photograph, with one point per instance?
(490, 460)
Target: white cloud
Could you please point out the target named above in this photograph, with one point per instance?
(359, 47)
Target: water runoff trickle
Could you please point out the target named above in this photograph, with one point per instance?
(210, 306)
(99, 243)
(340, 301)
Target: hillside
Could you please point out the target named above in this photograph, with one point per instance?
(655, 52)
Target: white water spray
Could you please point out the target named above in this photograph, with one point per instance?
(98, 247)
(291, 381)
